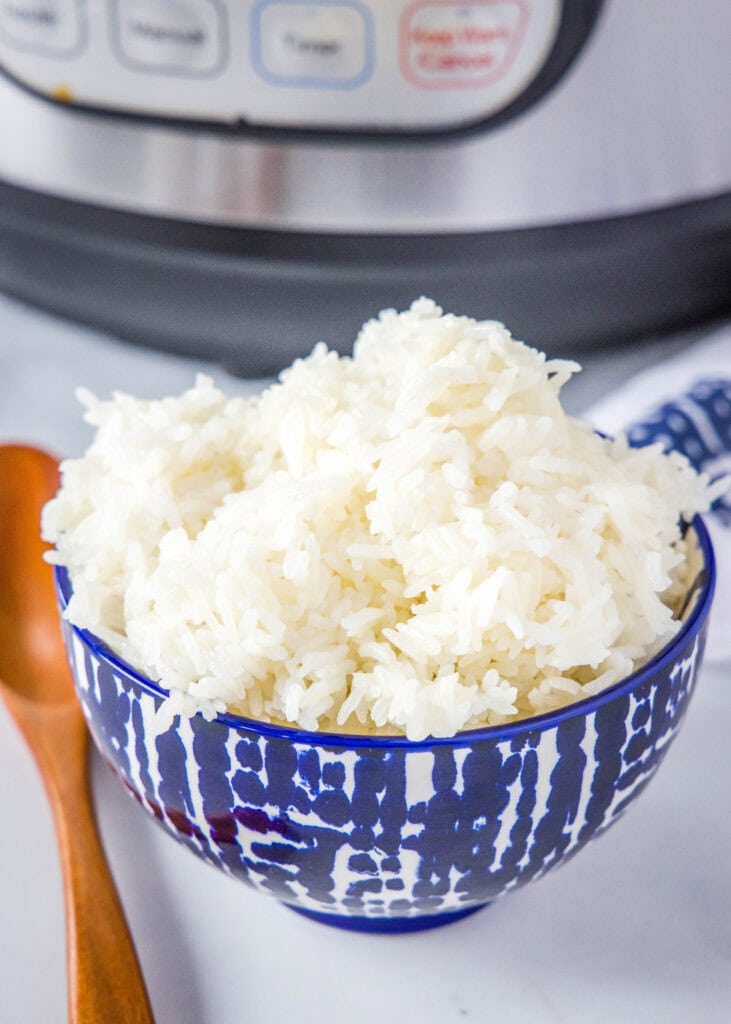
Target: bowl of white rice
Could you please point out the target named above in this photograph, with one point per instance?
(391, 638)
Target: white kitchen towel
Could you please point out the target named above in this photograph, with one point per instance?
(685, 403)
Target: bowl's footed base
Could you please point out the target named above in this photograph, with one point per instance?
(387, 925)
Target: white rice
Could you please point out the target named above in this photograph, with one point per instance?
(413, 540)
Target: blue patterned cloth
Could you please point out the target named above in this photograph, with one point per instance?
(697, 424)
(684, 403)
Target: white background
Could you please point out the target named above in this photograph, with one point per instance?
(635, 929)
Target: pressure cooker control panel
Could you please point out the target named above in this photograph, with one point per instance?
(332, 65)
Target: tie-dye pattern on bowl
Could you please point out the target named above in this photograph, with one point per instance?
(380, 834)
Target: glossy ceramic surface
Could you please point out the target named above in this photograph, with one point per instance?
(383, 834)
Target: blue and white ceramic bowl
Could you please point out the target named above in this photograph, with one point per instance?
(385, 834)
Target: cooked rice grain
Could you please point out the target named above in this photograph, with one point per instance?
(413, 540)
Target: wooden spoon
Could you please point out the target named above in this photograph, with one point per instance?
(105, 981)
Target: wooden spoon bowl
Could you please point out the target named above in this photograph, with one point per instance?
(105, 980)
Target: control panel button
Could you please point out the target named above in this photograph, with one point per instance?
(455, 45)
(174, 36)
(329, 45)
(46, 26)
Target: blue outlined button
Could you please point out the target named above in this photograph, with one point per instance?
(327, 45)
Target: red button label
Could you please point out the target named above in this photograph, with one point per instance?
(449, 44)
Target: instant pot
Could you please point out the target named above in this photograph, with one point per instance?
(239, 178)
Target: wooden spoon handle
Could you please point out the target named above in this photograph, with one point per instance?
(105, 980)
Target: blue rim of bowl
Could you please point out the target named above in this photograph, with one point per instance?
(537, 723)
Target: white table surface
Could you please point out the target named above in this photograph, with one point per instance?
(635, 929)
